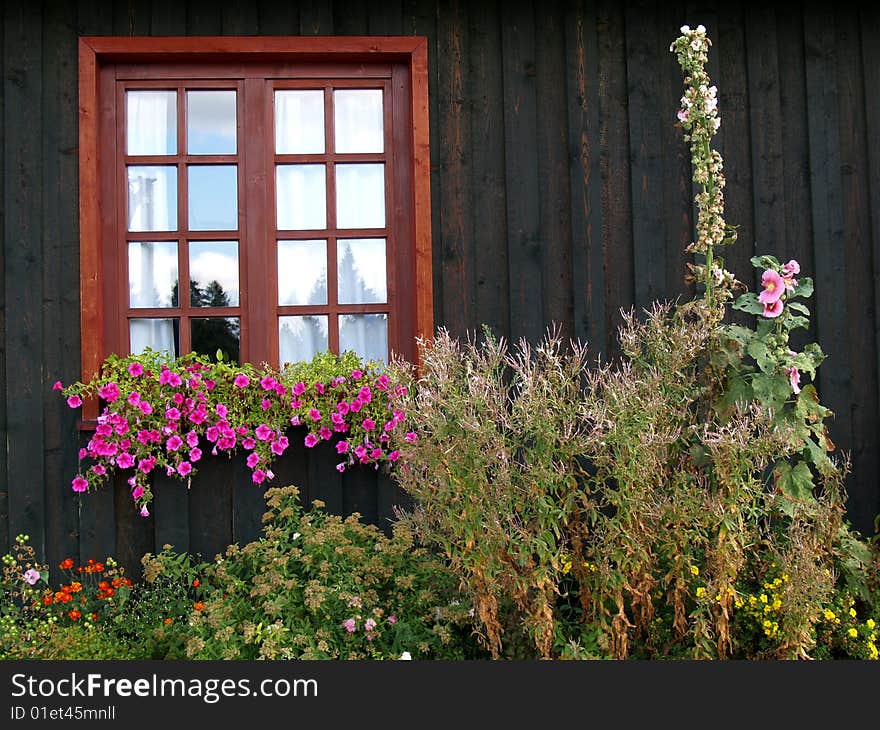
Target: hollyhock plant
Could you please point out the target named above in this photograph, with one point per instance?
(157, 410)
(774, 287)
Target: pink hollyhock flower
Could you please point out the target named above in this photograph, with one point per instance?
(184, 468)
(263, 432)
(314, 414)
(410, 437)
(31, 576)
(57, 385)
(342, 447)
(258, 477)
(74, 401)
(268, 383)
(144, 511)
(241, 381)
(299, 388)
(125, 460)
(310, 440)
(137, 492)
(174, 443)
(794, 377)
(195, 453)
(773, 309)
(773, 285)
(349, 625)
(79, 484)
(791, 268)
(135, 369)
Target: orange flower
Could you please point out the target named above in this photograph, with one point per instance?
(74, 614)
(168, 621)
(66, 564)
(103, 585)
(47, 600)
(59, 596)
(75, 586)
(98, 567)
(126, 582)
(198, 605)
(94, 617)
(196, 583)
(80, 569)
(116, 582)
(90, 561)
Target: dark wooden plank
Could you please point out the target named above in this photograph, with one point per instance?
(131, 18)
(523, 211)
(487, 236)
(385, 18)
(325, 483)
(97, 519)
(823, 108)
(203, 17)
(795, 147)
(349, 17)
(168, 18)
(859, 295)
(4, 484)
(248, 500)
(239, 19)
(278, 18)
(646, 161)
(292, 468)
(61, 346)
(316, 17)
(734, 143)
(210, 506)
(588, 255)
(359, 493)
(171, 512)
(870, 25)
(614, 168)
(134, 533)
(22, 203)
(554, 193)
(455, 138)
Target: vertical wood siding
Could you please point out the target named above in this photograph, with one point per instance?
(560, 193)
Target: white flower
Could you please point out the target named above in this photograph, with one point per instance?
(295, 535)
(685, 29)
(406, 656)
(695, 44)
(701, 29)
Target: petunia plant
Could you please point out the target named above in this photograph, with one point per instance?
(162, 415)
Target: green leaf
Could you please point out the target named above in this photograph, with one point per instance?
(804, 287)
(219, 356)
(762, 355)
(771, 390)
(743, 335)
(749, 303)
(796, 482)
(794, 322)
(765, 262)
(798, 307)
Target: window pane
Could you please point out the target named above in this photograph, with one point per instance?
(366, 334)
(301, 338)
(210, 122)
(302, 272)
(358, 120)
(301, 197)
(299, 122)
(360, 196)
(157, 334)
(151, 122)
(210, 334)
(213, 273)
(213, 197)
(361, 270)
(152, 274)
(152, 198)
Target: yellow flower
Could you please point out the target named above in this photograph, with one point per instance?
(695, 570)
(852, 612)
(870, 623)
(763, 598)
(701, 592)
(785, 577)
(829, 615)
(853, 633)
(872, 651)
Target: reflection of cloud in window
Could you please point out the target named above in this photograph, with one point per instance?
(361, 265)
(210, 124)
(152, 273)
(215, 261)
(302, 272)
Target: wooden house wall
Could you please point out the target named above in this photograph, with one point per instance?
(560, 193)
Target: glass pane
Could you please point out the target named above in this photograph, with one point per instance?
(301, 338)
(213, 197)
(152, 274)
(301, 197)
(299, 122)
(210, 334)
(152, 198)
(210, 122)
(157, 334)
(302, 272)
(213, 273)
(361, 270)
(360, 196)
(366, 334)
(151, 122)
(358, 120)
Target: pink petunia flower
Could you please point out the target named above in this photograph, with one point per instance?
(249, 444)
(79, 484)
(137, 492)
(265, 404)
(411, 437)
(174, 443)
(394, 456)
(57, 385)
(310, 440)
(320, 388)
(195, 453)
(172, 414)
(74, 401)
(192, 439)
(241, 381)
(325, 433)
(794, 377)
(253, 459)
(263, 432)
(135, 369)
(773, 309)
(99, 469)
(268, 383)
(340, 467)
(279, 446)
(184, 468)
(774, 287)
(144, 511)
(125, 460)
(221, 410)
(299, 388)
(314, 414)
(145, 408)
(258, 477)
(356, 374)
(342, 447)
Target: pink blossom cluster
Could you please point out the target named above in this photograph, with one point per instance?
(775, 284)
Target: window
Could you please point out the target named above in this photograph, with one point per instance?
(268, 197)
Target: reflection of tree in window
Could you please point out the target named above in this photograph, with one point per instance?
(352, 283)
(210, 334)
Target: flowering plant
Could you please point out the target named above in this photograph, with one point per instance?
(163, 414)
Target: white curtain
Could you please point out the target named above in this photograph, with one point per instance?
(299, 122)
(301, 197)
(157, 334)
(301, 338)
(360, 196)
(366, 334)
(151, 125)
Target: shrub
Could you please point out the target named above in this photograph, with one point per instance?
(317, 586)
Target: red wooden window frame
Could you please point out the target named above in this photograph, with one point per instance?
(402, 59)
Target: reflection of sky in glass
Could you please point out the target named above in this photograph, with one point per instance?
(152, 273)
(301, 338)
(157, 334)
(361, 266)
(213, 197)
(302, 272)
(299, 122)
(360, 196)
(301, 197)
(215, 261)
(358, 120)
(210, 122)
(366, 334)
(151, 122)
(152, 198)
